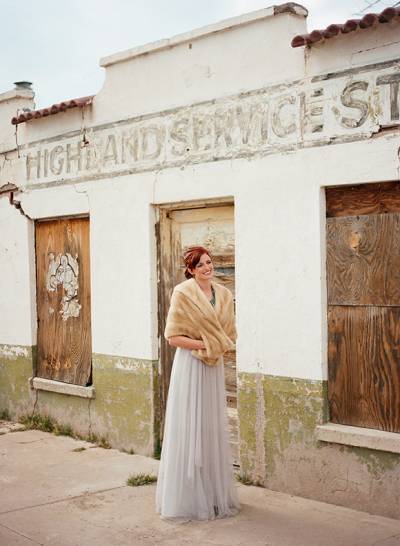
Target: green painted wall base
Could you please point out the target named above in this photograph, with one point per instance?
(278, 448)
(123, 409)
(15, 369)
(122, 412)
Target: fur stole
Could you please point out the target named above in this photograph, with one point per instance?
(192, 315)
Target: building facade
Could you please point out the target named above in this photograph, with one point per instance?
(277, 149)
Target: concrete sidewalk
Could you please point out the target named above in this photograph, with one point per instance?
(53, 495)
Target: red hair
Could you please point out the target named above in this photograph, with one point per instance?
(192, 257)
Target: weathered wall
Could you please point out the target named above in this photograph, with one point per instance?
(227, 127)
(278, 416)
(122, 411)
(16, 362)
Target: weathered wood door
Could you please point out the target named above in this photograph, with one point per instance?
(63, 300)
(363, 274)
(213, 228)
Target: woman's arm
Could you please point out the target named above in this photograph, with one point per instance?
(186, 342)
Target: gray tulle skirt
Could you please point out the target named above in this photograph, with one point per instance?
(195, 478)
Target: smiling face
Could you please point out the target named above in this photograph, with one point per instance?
(204, 270)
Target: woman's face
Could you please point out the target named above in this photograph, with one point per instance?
(204, 270)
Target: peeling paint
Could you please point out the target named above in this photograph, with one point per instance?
(16, 364)
(259, 466)
(14, 351)
(295, 461)
(123, 408)
(130, 364)
(300, 114)
(64, 270)
(123, 411)
(377, 462)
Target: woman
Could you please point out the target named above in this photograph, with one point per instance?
(195, 479)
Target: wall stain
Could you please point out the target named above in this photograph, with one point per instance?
(295, 461)
(122, 412)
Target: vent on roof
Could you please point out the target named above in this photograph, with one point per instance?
(23, 85)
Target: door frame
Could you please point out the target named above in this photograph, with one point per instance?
(165, 285)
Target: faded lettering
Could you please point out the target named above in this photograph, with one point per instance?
(110, 151)
(152, 141)
(179, 134)
(74, 155)
(281, 127)
(263, 121)
(350, 101)
(393, 81)
(253, 123)
(130, 144)
(56, 162)
(224, 125)
(33, 160)
(312, 111)
(202, 132)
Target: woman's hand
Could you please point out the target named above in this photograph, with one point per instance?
(199, 344)
(186, 343)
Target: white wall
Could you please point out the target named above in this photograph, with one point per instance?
(17, 286)
(121, 236)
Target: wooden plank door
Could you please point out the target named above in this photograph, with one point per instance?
(363, 277)
(63, 300)
(213, 228)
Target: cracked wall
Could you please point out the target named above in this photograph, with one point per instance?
(287, 457)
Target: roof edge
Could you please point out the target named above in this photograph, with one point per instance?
(367, 21)
(51, 110)
(226, 24)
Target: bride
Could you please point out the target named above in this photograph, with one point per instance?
(195, 479)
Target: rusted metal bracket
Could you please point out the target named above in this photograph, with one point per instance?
(9, 189)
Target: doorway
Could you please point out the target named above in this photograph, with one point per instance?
(208, 224)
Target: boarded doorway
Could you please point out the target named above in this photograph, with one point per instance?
(63, 300)
(211, 226)
(363, 276)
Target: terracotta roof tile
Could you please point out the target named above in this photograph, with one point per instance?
(330, 31)
(55, 109)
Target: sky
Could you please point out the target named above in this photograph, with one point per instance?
(57, 46)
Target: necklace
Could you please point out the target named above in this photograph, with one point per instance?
(212, 300)
(210, 295)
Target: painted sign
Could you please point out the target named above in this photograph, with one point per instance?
(335, 107)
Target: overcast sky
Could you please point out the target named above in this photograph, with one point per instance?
(57, 45)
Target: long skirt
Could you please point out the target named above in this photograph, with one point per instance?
(195, 478)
